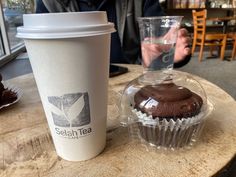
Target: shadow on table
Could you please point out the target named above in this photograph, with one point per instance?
(228, 170)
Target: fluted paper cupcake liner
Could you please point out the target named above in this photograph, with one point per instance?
(169, 133)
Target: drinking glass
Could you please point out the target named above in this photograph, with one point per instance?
(158, 37)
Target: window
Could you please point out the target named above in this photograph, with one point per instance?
(11, 17)
(1, 49)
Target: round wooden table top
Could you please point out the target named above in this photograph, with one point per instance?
(26, 148)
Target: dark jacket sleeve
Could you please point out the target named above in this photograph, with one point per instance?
(183, 62)
(40, 7)
(152, 8)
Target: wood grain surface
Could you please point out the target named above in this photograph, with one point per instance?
(26, 148)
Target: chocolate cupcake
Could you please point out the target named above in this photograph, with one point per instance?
(169, 115)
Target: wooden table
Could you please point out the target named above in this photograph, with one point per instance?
(26, 148)
(225, 21)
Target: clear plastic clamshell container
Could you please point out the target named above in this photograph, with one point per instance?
(165, 109)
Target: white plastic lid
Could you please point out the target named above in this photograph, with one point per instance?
(64, 25)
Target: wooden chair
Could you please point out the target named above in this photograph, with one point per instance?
(202, 38)
(232, 41)
(232, 36)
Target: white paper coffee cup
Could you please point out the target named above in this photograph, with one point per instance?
(69, 55)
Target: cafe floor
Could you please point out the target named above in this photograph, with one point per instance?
(221, 73)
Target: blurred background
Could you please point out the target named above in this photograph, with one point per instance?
(11, 16)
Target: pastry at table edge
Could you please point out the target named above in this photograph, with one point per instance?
(6, 96)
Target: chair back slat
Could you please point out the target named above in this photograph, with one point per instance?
(199, 21)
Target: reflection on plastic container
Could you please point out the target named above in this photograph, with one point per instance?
(165, 113)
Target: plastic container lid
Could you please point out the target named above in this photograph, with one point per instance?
(164, 109)
(64, 25)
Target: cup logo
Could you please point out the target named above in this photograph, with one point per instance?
(70, 110)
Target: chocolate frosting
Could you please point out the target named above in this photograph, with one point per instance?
(168, 101)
